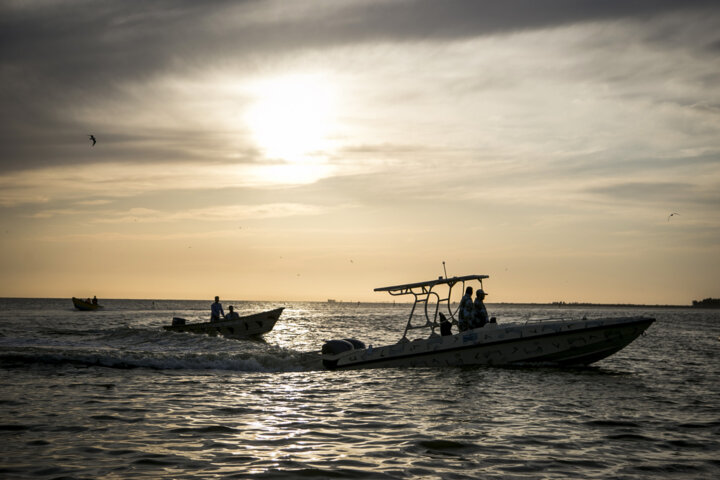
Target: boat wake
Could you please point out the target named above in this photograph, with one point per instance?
(130, 348)
(293, 362)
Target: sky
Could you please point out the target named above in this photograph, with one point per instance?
(308, 150)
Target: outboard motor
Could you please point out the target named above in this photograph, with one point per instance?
(335, 347)
(357, 344)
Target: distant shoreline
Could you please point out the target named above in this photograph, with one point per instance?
(600, 305)
(558, 305)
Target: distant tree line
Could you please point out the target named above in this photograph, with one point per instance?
(707, 303)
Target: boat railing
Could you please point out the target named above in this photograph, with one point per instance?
(532, 320)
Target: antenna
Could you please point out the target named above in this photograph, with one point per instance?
(445, 270)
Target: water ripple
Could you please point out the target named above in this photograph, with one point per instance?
(111, 395)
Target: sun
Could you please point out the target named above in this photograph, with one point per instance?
(291, 118)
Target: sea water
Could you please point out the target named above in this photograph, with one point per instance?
(111, 395)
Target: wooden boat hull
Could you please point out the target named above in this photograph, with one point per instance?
(552, 343)
(85, 306)
(246, 326)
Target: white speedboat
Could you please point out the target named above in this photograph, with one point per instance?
(247, 326)
(552, 342)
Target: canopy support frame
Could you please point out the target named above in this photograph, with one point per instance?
(422, 293)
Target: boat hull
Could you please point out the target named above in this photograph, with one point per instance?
(555, 343)
(85, 306)
(246, 326)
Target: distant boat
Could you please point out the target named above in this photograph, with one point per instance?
(553, 343)
(247, 326)
(84, 305)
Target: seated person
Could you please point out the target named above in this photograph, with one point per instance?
(480, 315)
(232, 315)
(445, 326)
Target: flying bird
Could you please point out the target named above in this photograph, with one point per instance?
(673, 213)
(92, 137)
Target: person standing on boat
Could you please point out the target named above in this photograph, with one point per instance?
(465, 312)
(216, 311)
(94, 300)
(480, 315)
(232, 315)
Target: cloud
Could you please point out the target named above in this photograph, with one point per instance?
(659, 193)
(222, 213)
(152, 77)
(104, 40)
(98, 183)
(455, 101)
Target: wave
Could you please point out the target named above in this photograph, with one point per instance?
(272, 361)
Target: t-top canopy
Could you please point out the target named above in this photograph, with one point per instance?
(431, 283)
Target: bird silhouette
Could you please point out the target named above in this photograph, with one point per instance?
(673, 213)
(92, 137)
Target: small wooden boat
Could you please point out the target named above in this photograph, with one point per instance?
(246, 326)
(84, 305)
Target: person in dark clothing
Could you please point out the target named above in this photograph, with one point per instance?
(232, 314)
(465, 312)
(445, 326)
(480, 315)
(216, 311)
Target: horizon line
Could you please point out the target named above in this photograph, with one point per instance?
(409, 302)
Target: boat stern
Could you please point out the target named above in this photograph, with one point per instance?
(333, 350)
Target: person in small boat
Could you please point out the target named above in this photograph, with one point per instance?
(465, 312)
(480, 315)
(94, 300)
(445, 326)
(232, 315)
(216, 310)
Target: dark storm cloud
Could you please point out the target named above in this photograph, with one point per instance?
(98, 41)
(463, 18)
(57, 56)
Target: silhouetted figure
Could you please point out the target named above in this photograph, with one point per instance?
(465, 313)
(94, 300)
(480, 315)
(232, 314)
(92, 138)
(216, 311)
(445, 326)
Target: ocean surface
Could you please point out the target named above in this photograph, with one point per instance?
(111, 395)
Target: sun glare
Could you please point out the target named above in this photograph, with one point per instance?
(291, 118)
